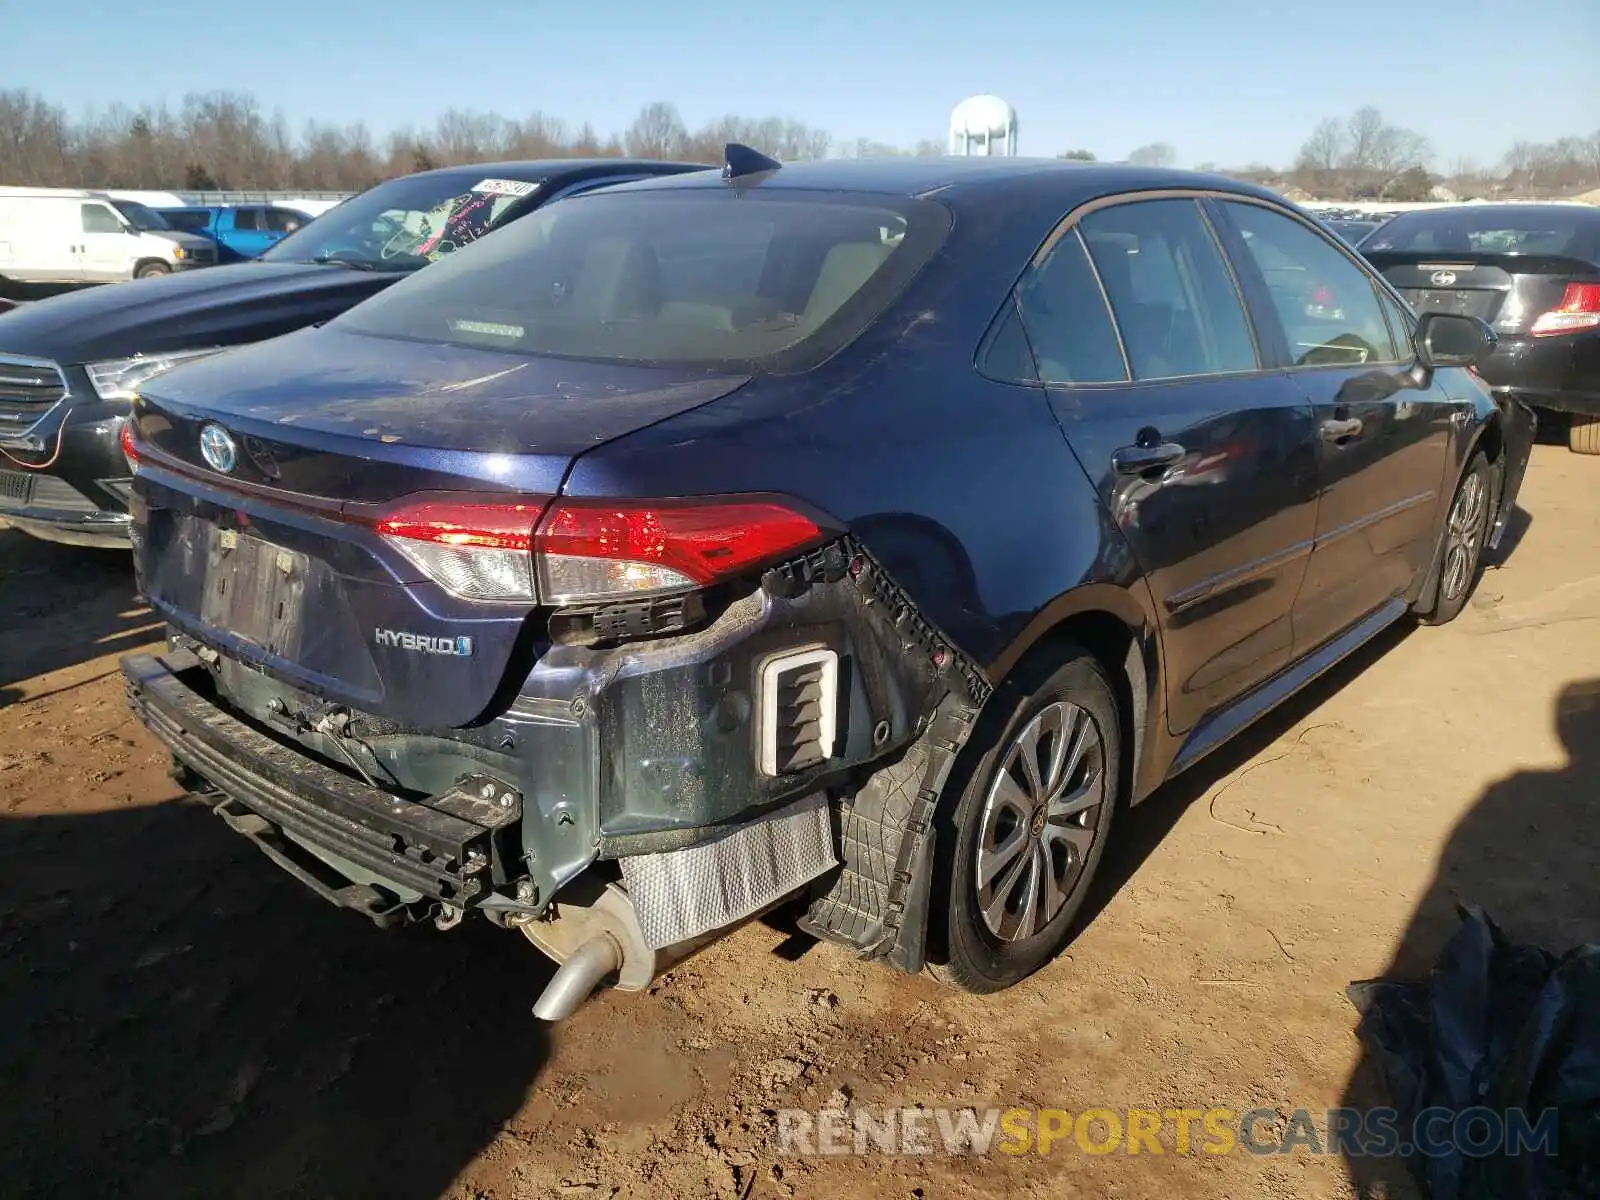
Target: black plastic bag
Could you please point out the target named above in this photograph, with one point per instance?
(1501, 1027)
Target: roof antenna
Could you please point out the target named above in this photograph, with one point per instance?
(739, 161)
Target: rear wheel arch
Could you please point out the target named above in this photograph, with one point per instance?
(1111, 626)
(1491, 440)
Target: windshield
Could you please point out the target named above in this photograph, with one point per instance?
(407, 223)
(141, 218)
(1490, 230)
(720, 280)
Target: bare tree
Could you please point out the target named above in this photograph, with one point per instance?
(657, 132)
(1078, 155)
(1156, 154)
(1323, 152)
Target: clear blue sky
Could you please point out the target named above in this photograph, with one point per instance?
(1223, 80)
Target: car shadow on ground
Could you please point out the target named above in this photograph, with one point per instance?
(177, 1018)
(64, 605)
(1144, 828)
(1525, 853)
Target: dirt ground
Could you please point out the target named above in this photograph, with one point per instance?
(177, 1017)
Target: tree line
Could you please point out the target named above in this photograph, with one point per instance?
(225, 140)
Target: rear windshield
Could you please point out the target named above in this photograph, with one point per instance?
(1490, 230)
(722, 280)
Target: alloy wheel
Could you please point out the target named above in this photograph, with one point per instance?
(1039, 820)
(1462, 536)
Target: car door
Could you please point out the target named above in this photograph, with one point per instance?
(250, 236)
(1382, 440)
(1203, 456)
(107, 250)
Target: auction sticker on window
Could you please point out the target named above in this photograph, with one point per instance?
(505, 187)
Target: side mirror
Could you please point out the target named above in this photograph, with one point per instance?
(1448, 340)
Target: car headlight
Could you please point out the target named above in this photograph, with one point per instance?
(119, 378)
(179, 253)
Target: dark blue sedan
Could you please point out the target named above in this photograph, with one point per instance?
(858, 534)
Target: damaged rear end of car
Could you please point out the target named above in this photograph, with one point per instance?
(430, 683)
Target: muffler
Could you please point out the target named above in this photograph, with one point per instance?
(595, 935)
(675, 903)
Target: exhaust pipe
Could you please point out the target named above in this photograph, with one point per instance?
(595, 935)
(578, 976)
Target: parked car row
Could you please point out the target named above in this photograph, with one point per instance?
(859, 534)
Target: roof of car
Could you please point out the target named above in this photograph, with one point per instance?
(925, 175)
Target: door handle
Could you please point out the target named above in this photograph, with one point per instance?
(1136, 460)
(1340, 432)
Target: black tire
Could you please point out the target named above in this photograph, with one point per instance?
(150, 270)
(1458, 578)
(1583, 434)
(966, 951)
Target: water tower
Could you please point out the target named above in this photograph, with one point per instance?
(983, 125)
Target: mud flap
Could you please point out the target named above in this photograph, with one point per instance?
(1517, 435)
(878, 902)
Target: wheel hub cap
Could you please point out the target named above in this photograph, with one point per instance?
(1039, 820)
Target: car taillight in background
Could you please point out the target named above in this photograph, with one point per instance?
(130, 448)
(584, 551)
(1579, 309)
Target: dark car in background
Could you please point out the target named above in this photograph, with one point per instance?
(1532, 271)
(70, 365)
(1352, 229)
(241, 231)
(859, 532)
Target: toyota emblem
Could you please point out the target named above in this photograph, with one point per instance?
(219, 449)
(1443, 278)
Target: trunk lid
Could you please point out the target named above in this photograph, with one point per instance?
(277, 561)
(1509, 291)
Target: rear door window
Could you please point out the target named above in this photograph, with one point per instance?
(1327, 305)
(1065, 314)
(1175, 302)
(247, 219)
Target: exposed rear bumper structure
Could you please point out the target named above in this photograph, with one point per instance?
(394, 859)
(309, 814)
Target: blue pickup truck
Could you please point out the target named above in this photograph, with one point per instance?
(241, 231)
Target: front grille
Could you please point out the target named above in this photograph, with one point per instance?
(29, 388)
(25, 489)
(16, 489)
(799, 703)
(1482, 303)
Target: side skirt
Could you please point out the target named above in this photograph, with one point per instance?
(1221, 725)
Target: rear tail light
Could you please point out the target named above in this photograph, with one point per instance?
(1579, 309)
(478, 551)
(588, 551)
